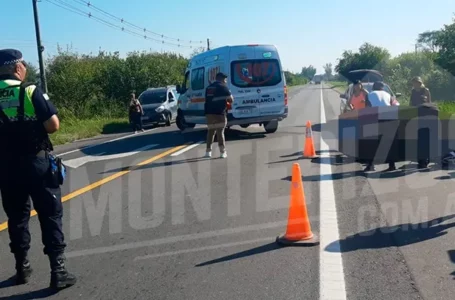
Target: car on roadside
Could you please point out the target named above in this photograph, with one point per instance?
(159, 105)
(368, 77)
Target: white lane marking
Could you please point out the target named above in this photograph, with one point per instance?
(106, 142)
(176, 239)
(186, 149)
(214, 247)
(80, 161)
(332, 284)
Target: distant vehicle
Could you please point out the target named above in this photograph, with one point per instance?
(317, 79)
(368, 77)
(159, 104)
(255, 78)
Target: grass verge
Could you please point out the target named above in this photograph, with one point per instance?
(446, 106)
(72, 129)
(339, 86)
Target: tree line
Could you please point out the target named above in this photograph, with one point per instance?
(433, 60)
(87, 86)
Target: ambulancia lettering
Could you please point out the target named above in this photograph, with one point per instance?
(255, 101)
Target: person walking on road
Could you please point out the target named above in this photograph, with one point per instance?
(27, 168)
(359, 97)
(136, 112)
(217, 98)
(379, 98)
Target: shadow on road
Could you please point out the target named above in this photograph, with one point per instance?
(452, 259)
(446, 177)
(7, 283)
(39, 294)
(258, 250)
(381, 174)
(316, 127)
(299, 153)
(230, 135)
(166, 139)
(393, 236)
(299, 156)
(287, 160)
(336, 160)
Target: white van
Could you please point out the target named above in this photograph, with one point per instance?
(255, 78)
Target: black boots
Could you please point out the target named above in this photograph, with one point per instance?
(60, 278)
(23, 269)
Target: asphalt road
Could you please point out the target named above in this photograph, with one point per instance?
(154, 220)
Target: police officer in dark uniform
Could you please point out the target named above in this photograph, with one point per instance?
(27, 168)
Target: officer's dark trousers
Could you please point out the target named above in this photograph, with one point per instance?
(30, 177)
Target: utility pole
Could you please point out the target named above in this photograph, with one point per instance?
(40, 48)
(208, 44)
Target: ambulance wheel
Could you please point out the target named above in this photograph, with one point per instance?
(271, 127)
(181, 124)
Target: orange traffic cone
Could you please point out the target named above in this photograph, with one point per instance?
(298, 231)
(308, 150)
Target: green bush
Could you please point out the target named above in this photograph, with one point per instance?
(92, 92)
(294, 79)
(85, 86)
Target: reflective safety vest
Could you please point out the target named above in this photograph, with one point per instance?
(20, 130)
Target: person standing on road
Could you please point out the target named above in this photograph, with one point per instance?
(27, 168)
(217, 97)
(359, 97)
(420, 95)
(377, 98)
(136, 113)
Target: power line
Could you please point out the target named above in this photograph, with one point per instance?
(90, 5)
(75, 10)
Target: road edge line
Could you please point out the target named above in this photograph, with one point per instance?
(105, 142)
(186, 149)
(331, 274)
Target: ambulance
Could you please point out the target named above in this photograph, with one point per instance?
(255, 78)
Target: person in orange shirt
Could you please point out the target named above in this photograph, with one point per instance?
(359, 97)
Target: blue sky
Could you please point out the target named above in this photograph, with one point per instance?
(305, 32)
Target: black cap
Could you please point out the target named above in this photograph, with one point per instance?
(221, 75)
(10, 57)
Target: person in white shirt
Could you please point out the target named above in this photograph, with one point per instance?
(378, 97)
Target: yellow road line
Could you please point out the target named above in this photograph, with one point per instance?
(4, 226)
